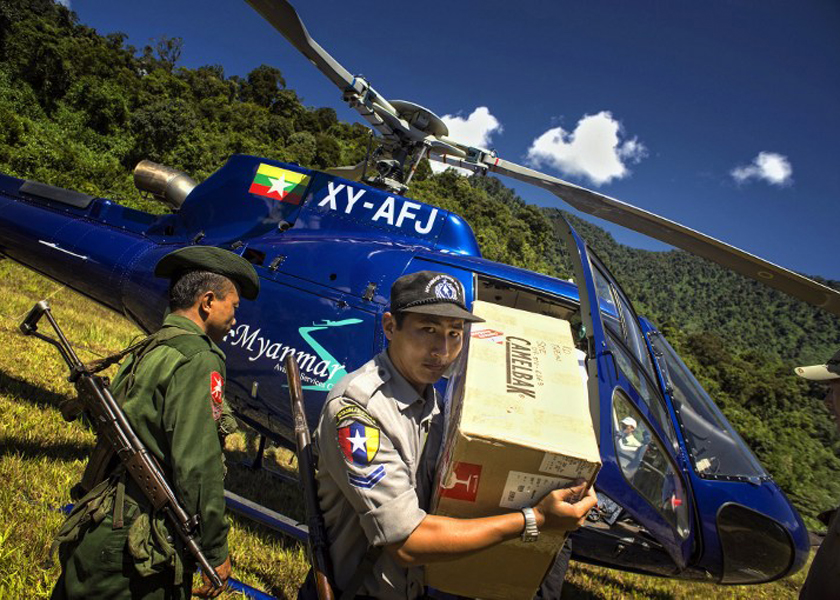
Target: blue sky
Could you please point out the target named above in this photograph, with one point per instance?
(721, 115)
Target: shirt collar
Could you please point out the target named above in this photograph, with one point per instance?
(404, 393)
(181, 322)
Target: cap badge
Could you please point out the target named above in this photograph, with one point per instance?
(444, 288)
(446, 291)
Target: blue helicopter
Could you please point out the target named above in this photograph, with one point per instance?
(680, 493)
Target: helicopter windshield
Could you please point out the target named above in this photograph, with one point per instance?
(715, 448)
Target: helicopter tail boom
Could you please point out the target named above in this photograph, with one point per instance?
(87, 245)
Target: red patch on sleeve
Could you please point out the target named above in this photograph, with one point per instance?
(217, 394)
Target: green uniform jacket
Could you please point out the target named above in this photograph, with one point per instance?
(173, 404)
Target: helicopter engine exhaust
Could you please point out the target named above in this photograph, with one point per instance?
(166, 184)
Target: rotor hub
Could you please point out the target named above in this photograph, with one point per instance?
(420, 118)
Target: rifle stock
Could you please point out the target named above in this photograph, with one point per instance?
(318, 545)
(111, 424)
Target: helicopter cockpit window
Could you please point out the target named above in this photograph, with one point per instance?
(607, 304)
(626, 342)
(646, 466)
(646, 388)
(621, 322)
(715, 448)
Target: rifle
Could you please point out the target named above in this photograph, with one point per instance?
(319, 556)
(111, 424)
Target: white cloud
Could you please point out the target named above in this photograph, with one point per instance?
(63, 3)
(593, 150)
(773, 168)
(475, 130)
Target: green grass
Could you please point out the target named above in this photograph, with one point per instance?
(42, 456)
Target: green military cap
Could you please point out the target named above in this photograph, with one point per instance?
(215, 260)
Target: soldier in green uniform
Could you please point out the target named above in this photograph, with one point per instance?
(171, 390)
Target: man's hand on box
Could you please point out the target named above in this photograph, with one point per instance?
(565, 509)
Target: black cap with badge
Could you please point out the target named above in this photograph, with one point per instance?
(431, 293)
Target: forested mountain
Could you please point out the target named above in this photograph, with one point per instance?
(79, 110)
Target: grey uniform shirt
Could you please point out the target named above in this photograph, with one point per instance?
(378, 441)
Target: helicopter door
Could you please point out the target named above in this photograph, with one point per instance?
(638, 444)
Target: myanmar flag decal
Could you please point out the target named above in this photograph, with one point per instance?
(279, 184)
(359, 443)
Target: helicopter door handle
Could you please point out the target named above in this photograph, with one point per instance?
(609, 353)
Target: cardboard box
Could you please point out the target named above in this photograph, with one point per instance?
(518, 426)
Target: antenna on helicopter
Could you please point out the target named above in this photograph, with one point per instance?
(410, 132)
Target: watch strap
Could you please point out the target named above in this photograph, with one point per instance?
(531, 533)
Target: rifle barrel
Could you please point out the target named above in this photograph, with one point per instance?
(318, 549)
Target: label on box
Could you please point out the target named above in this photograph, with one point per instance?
(462, 482)
(525, 489)
(557, 464)
(490, 335)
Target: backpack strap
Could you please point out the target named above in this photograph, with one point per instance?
(96, 470)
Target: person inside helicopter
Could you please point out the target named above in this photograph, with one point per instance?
(628, 445)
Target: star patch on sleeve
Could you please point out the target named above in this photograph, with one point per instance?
(217, 394)
(359, 443)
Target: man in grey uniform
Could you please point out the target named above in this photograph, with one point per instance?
(378, 440)
(823, 580)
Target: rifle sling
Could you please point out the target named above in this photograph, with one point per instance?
(101, 364)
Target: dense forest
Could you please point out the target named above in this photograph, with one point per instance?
(79, 109)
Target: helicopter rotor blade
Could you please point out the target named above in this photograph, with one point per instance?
(660, 228)
(358, 93)
(283, 17)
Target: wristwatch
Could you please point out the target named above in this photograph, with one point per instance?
(531, 533)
